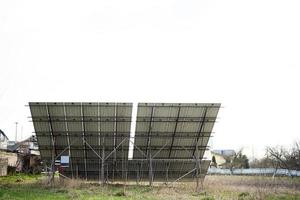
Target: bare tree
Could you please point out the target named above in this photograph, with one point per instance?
(285, 158)
(294, 159)
(277, 157)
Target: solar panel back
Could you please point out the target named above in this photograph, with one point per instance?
(62, 125)
(168, 133)
(172, 131)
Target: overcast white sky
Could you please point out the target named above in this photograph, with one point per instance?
(243, 54)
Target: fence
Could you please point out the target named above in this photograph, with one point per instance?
(254, 171)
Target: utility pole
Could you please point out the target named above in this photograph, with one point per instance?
(21, 133)
(16, 136)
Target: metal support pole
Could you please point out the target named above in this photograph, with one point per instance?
(52, 164)
(92, 149)
(106, 179)
(77, 171)
(102, 163)
(68, 147)
(167, 176)
(150, 169)
(138, 149)
(184, 175)
(123, 165)
(200, 133)
(115, 134)
(197, 169)
(115, 148)
(173, 138)
(84, 144)
(138, 174)
(103, 158)
(99, 140)
(68, 140)
(159, 150)
(53, 152)
(114, 167)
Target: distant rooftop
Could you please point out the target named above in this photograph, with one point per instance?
(2, 134)
(224, 152)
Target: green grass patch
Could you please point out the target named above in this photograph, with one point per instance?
(31, 187)
(283, 197)
(22, 192)
(18, 178)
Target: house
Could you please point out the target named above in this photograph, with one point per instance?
(221, 157)
(27, 146)
(20, 156)
(3, 140)
(28, 155)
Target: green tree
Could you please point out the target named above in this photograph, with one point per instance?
(213, 161)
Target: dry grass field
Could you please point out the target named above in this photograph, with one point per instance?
(215, 187)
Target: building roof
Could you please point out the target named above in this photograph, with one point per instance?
(2, 133)
(224, 152)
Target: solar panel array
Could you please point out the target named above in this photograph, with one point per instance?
(69, 124)
(166, 133)
(179, 128)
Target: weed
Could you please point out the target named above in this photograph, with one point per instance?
(120, 194)
(208, 198)
(245, 196)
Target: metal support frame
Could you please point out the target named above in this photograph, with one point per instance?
(120, 121)
(92, 149)
(150, 169)
(52, 164)
(174, 132)
(150, 159)
(115, 148)
(196, 150)
(197, 168)
(67, 148)
(99, 140)
(54, 151)
(115, 139)
(148, 151)
(103, 160)
(148, 148)
(122, 133)
(138, 177)
(84, 144)
(149, 131)
(51, 178)
(68, 139)
(184, 175)
(123, 119)
(143, 148)
(200, 130)
(173, 137)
